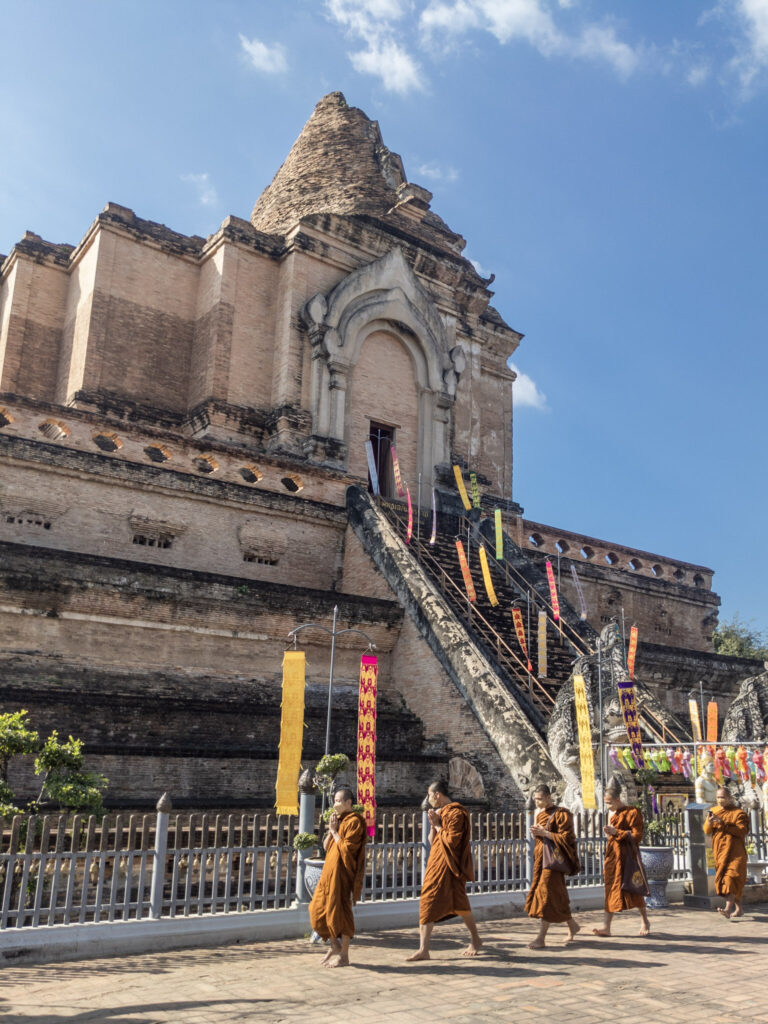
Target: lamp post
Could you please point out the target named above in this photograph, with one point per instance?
(333, 633)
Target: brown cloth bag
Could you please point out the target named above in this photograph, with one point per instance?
(553, 858)
(633, 878)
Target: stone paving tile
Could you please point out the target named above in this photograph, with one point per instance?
(680, 973)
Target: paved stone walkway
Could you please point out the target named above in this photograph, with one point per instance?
(695, 967)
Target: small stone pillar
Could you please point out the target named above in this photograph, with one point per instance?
(164, 808)
(701, 860)
(307, 791)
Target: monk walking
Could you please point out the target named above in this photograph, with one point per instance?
(444, 890)
(548, 896)
(625, 824)
(728, 825)
(341, 882)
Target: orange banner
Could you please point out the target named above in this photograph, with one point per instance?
(471, 593)
(712, 722)
(553, 592)
(398, 475)
(517, 618)
(632, 653)
(366, 739)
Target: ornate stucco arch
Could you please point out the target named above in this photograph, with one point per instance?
(381, 296)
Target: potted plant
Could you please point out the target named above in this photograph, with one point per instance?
(658, 855)
(311, 867)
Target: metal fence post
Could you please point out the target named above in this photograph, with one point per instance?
(530, 844)
(426, 828)
(164, 808)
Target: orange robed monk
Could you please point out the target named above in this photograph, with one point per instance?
(340, 885)
(728, 825)
(444, 890)
(624, 822)
(548, 896)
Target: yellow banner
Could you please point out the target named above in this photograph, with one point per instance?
(712, 721)
(291, 733)
(632, 653)
(499, 535)
(693, 711)
(487, 577)
(471, 593)
(462, 489)
(542, 644)
(475, 490)
(585, 744)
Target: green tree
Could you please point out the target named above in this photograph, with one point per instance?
(739, 639)
(16, 739)
(65, 781)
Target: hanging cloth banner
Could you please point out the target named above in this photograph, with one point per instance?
(366, 739)
(433, 538)
(499, 535)
(585, 744)
(693, 711)
(712, 722)
(579, 592)
(487, 578)
(553, 591)
(471, 593)
(462, 489)
(628, 704)
(517, 618)
(542, 644)
(475, 490)
(409, 532)
(372, 471)
(632, 652)
(291, 733)
(398, 475)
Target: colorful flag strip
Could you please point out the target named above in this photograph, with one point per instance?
(585, 744)
(471, 593)
(398, 475)
(433, 537)
(712, 722)
(409, 532)
(487, 578)
(475, 490)
(366, 739)
(632, 652)
(499, 535)
(372, 471)
(553, 591)
(628, 704)
(542, 645)
(693, 711)
(517, 618)
(462, 488)
(579, 592)
(291, 733)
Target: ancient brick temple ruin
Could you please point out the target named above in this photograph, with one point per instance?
(183, 480)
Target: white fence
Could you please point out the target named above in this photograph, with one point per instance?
(67, 870)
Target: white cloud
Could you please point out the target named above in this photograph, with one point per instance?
(698, 75)
(270, 59)
(530, 21)
(206, 191)
(373, 21)
(480, 269)
(752, 57)
(436, 173)
(525, 391)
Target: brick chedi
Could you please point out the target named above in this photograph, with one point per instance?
(180, 420)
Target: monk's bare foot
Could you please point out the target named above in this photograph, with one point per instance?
(420, 954)
(724, 911)
(339, 960)
(473, 949)
(331, 952)
(536, 944)
(602, 932)
(645, 929)
(738, 913)
(573, 929)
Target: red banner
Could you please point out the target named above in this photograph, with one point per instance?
(517, 618)
(366, 739)
(398, 475)
(712, 722)
(471, 593)
(409, 534)
(632, 653)
(553, 592)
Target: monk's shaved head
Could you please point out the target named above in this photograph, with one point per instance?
(724, 796)
(346, 794)
(440, 786)
(544, 790)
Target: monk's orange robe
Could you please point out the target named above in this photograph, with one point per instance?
(548, 895)
(341, 883)
(730, 853)
(449, 868)
(628, 821)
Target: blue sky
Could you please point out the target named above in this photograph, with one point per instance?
(606, 160)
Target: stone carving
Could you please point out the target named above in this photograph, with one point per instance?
(747, 718)
(464, 780)
(705, 786)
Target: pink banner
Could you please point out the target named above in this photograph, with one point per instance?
(409, 533)
(553, 592)
(366, 739)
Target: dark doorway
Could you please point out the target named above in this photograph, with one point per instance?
(382, 438)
